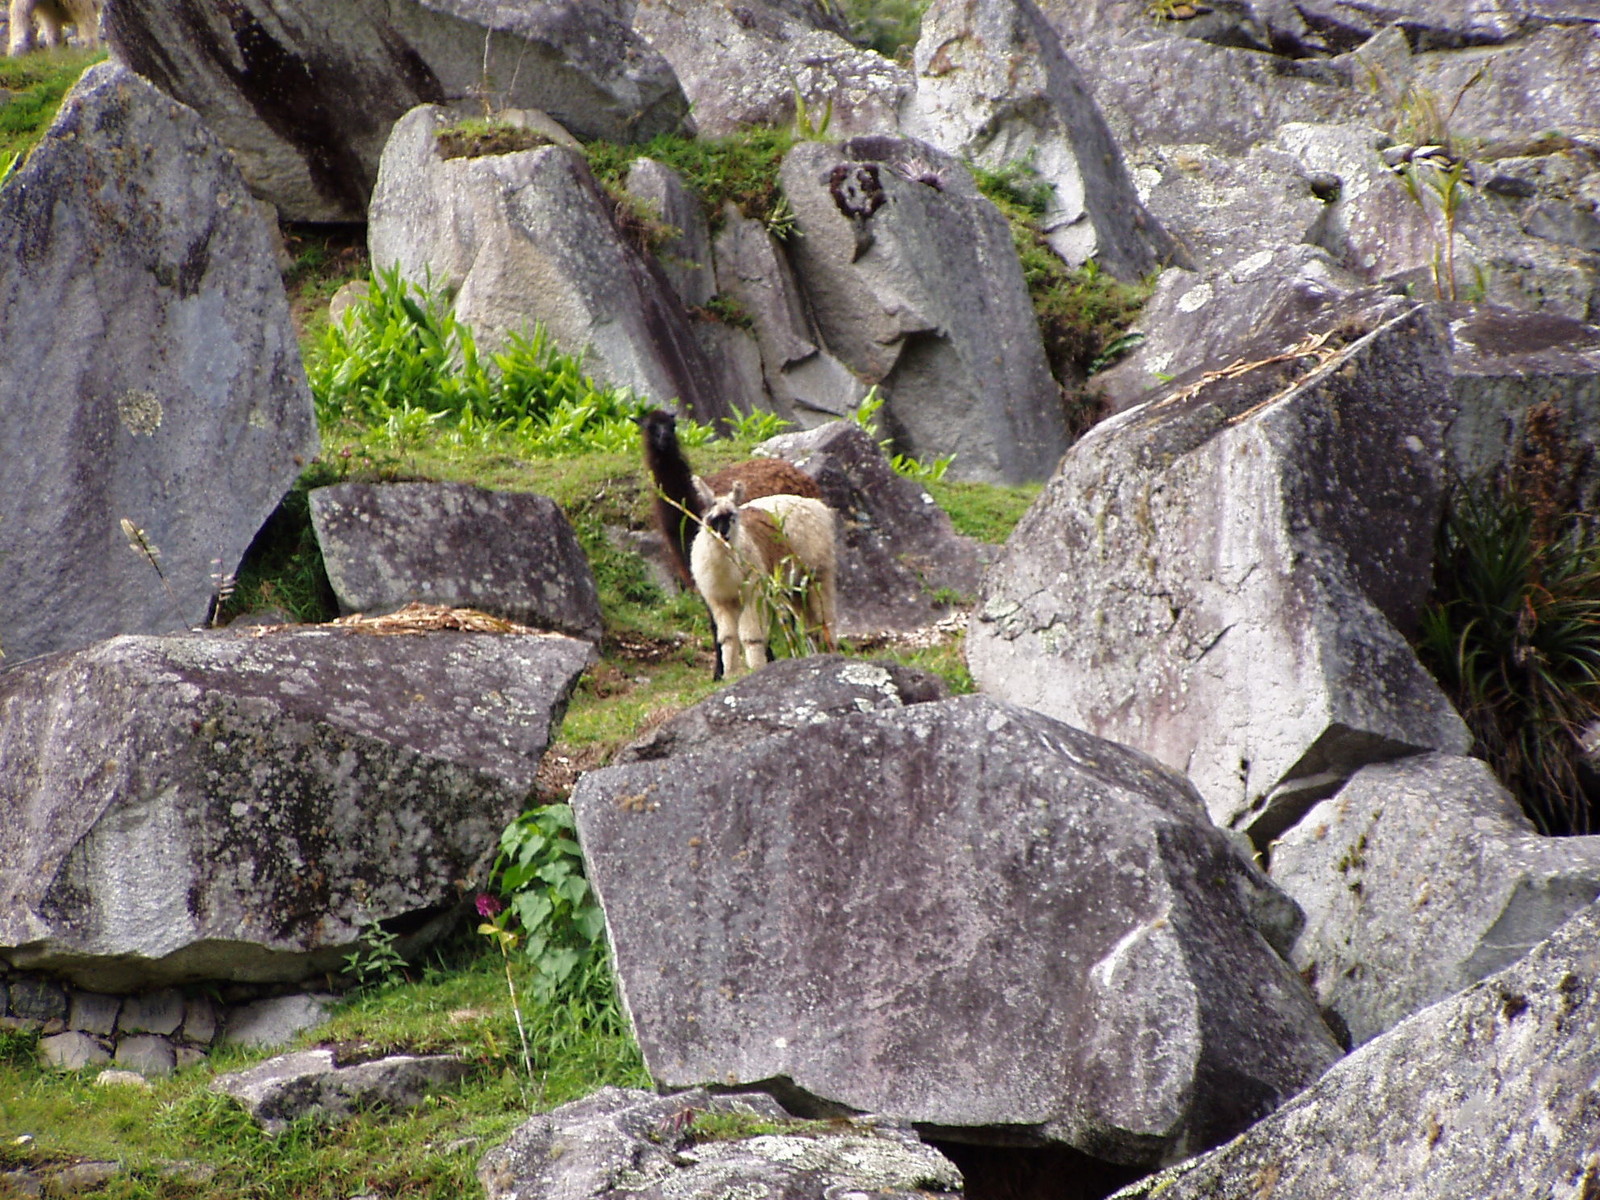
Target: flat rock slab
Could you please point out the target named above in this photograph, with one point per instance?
(151, 371)
(957, 913)
(235, 807)
(1489, 1093)
(311, 1084)
(1418, 879)
(1221, 576)
(624, 1142)
(275, 1021)
(512, 554)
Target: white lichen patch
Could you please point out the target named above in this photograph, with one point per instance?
(139, 411)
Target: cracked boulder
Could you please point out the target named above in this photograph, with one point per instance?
(304, 93)
(994, 86)
(956, 913)
(226, 807)
(313, 1084)
(1420, 878)
(698, 1144)
(1223, 576)
(150, 371)
(1488, 1093)
(886, 225)
(512, 554)
(530, 237)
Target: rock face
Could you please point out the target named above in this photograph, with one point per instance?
(227, 807)
(898, 552)
(994, 86)
(957, 913)
(526, 237)
(1220, 576)
(744, 64)
(510, 554)
(1419, 878)
(312, 1084)
(647, 1144)
(1485, 1094)
(886, 225)
(151, 372)
(305, 93)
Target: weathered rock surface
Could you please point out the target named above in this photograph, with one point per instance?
(743, 64)
(151, 372)
(900, 559)
(1419, 878)
(792, 693)
(994, 86)
(1489, 1093)
(234, 807)
(958, 913)
(304, 93)
(526, 237)
(71, 1051)
(686, 256)
(512, 554)
(275, 1021)
(1220, 577)
(644, 1143)
(886, 225)
(312, 1084)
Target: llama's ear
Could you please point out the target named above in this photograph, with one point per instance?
(738, 492)
(704, 494)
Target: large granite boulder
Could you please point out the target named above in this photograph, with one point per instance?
(530, 236)
(304, 93)
(754, 64)
(887, 226)
(958, 913)
(1419, 878)
(902, 565)
(512, 554)
(150, 371)
(1489, 1093)
(1222, 576)
(656, 1148)
(995, 87)
(233, 807)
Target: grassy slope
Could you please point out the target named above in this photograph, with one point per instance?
(36, 83)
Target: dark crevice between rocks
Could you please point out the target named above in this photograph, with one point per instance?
(1035, 1172)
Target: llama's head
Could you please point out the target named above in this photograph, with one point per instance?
(659, 429)
(720, 513)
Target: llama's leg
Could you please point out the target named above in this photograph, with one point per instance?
(87, 20)
(52, 33)
(21, 40)
(753, 633)
(820, 601)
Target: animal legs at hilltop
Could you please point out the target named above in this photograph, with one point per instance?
(745, 549)
(46, 18)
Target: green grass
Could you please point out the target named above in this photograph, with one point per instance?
(741, 169)
(37, 82)
(888, 26)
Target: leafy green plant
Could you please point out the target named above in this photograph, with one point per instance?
(891, 27)
(1512, 632)
(1437, 189)
(806, 127)
(376, 963)
(740, 169)
(1017, 182)
(757, 425)
(866, 416)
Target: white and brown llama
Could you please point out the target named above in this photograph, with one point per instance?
(749, 550)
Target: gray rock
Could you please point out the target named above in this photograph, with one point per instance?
(1419, 878)
(806, 384)
(685, 257)
(199, 1021)
(995, 87)
(901, 563)
(305, 93)
(71, 1051)
(227, 806)
(147, 1054)
(277, 1021)
(38, 1000)
(93, 1012)
(641, 1142)
(886, 225)
(742, 65)
(512, 554)
(114, 1078)
(957, 913)
(1220, 576)
(1484, 1094)
(154, 1012)
(310, 1085)
(151, 372)
(792, 693)
(526, 237)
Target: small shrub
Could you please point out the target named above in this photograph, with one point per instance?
(376, 963)
(478, 137)
(741, 169)
(891, 27)
(1512, 633)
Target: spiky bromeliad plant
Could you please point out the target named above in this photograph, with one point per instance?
(1513, 633)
